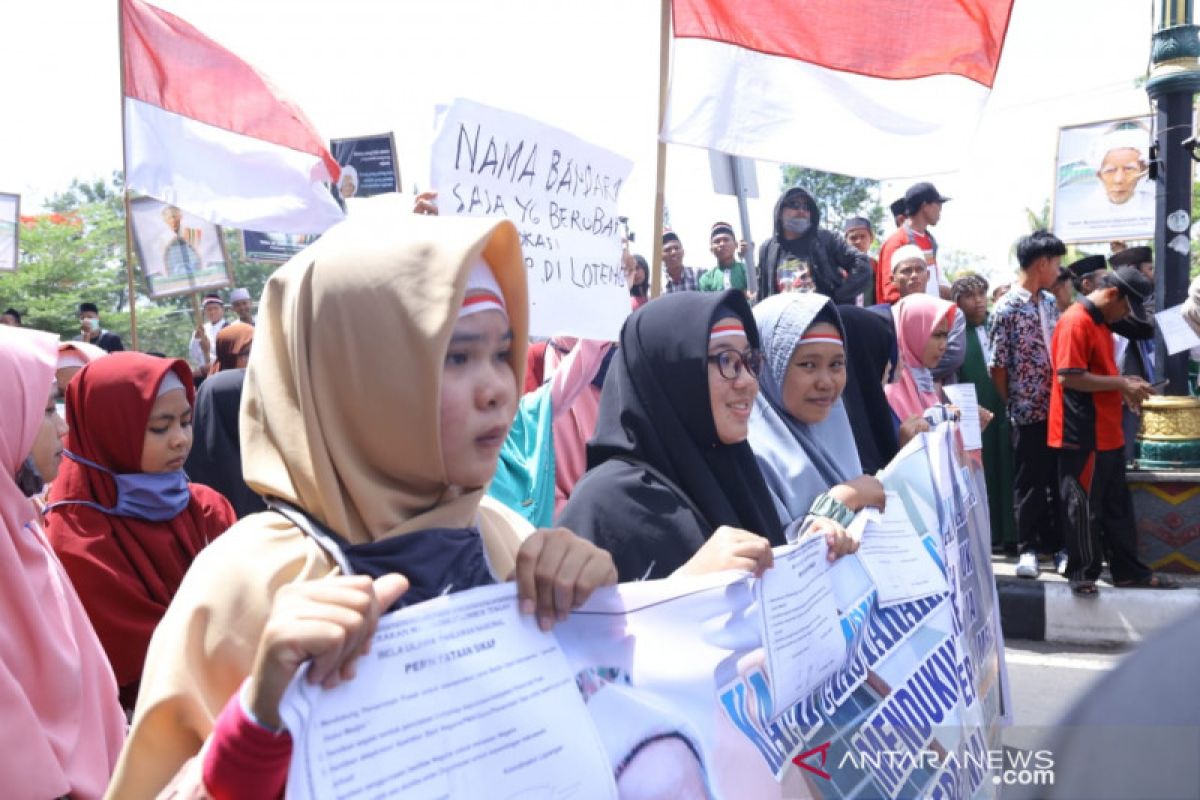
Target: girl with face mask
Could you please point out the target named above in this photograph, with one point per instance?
(63, 726)
(122, 515)
(374, 463)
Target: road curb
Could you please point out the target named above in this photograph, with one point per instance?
(1043, 610)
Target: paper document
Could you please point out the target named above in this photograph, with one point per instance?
(460, 697)
(1177, 334)
(893, 555)
(800, 630)
(963, 396)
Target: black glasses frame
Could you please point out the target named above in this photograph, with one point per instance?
(731, 362)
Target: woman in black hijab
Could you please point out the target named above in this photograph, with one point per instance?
(870, 352)
(216, 456)
(671, 481)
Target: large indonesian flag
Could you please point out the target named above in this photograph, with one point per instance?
(206, 132)
(874, 88)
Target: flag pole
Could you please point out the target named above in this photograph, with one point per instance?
(664, 67)
(133, 332)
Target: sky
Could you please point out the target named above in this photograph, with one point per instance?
(368, 66)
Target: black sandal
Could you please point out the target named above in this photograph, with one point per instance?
(1153, 581)
(1084, 589)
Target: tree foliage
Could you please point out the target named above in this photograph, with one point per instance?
(838, 196)
(77, 253)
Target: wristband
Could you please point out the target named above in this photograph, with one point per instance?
(831, 508)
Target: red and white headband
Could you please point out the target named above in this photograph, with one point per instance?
(726, 329)
(483, 292)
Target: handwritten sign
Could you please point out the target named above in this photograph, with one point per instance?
(560, 191)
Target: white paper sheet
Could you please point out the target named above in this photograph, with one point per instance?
(963, 395)
(800, 629)
(1177, 334)
(893, 555)
(459, 697)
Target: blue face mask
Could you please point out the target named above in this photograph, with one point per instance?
(152, 496)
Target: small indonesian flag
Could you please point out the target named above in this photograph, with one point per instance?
(206, 132)
(873, 88)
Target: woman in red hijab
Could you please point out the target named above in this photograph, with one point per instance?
(122, 516)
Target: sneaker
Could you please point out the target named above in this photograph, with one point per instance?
(1060, 562)
(1027, 566)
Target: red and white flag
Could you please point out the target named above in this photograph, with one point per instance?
(206, 132)
(873, 88)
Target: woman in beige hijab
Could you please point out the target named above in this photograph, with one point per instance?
(375, 459)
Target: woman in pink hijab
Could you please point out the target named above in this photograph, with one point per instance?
(63, 726)
(922, 327)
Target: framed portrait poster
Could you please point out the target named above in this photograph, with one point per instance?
(1102, 187)
(179, 252)
(10, 228)
(368, 165)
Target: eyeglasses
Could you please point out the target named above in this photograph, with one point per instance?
(798, 205)
(731, 362)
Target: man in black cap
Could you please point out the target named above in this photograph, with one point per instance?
(202, 347)
(923, 206)
(800, 245)
(1135, 338)
(1140, 257)
(1085, 429)
(91, 332)
(1085, 272)
(729, 272)
(678, 277)
(860, 235)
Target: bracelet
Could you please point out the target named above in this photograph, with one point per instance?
(831, 508)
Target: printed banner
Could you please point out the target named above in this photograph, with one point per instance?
(10, 216)
(561, 192)
(179, 252)
(274, 248)
(670, 682)
(368, 165)
(1102, 188)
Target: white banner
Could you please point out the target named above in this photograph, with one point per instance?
(707, 688)
(560, 191)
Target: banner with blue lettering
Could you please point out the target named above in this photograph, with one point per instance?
(812, 681)
(914, 710)
(560, 191)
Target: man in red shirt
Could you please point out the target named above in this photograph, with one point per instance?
(923, 204)
(1085, 428)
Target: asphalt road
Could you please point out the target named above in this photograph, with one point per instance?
(1046, 679)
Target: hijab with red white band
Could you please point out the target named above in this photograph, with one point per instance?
(656, 412)
(799, 461)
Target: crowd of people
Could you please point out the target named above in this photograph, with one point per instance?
(176, 555)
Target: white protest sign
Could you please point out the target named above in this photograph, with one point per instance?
(560, 191)
(1177, 333)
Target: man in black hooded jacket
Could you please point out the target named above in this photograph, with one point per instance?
(838, 270)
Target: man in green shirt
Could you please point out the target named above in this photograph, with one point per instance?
(730, 273)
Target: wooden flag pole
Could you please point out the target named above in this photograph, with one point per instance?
(133, 332)
(660, 179)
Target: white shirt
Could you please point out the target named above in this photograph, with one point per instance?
(195, 353)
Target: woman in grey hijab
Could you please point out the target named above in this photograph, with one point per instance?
(799, 430)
